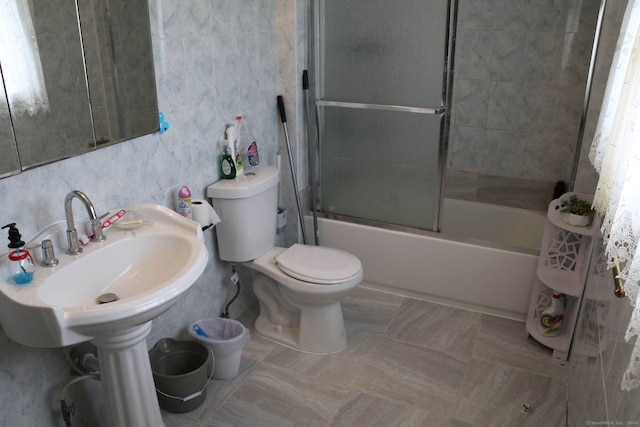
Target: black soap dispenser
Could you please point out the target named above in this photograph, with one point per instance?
(21, 266)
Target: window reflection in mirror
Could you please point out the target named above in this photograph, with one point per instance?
(55, 124)
(8, 155)
(23, 74)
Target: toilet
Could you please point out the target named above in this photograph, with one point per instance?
(299, 288)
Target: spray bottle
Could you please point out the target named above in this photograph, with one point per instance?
(21, 266)
(184, 201)
(248, 145)
(232, 141)
(551, 318)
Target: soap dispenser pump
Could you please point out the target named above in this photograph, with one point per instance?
(21, 266)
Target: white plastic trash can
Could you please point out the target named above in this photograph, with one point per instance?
(226, 337)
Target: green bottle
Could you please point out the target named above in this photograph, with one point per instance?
(227, 165)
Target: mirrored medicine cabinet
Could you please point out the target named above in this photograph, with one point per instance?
(76, 76)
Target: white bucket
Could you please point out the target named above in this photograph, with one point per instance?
(226, 337)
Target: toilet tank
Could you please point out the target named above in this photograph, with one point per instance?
(248, 208)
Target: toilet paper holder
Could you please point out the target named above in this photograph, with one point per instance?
(204, 214)
(282, 218)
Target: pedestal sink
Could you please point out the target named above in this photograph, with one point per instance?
(142, 268)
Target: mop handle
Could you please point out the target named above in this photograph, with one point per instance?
(293, 171)
(283, 116)
(312, 158)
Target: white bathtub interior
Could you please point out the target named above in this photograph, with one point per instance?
(484, 260)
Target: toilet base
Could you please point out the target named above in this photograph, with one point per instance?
(302, 315)
(320, 331)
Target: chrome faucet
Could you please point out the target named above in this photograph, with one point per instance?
(72, 233)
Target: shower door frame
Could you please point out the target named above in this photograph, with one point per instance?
(313, 55)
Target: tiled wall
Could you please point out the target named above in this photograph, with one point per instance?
(214, 59)
(520, 73)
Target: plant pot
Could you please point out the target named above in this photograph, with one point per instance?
(577, 220)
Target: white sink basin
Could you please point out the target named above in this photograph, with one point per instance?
(146, 268)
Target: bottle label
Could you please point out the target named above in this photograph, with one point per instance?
(550, 323)
(226, 167)
(252, 154)
(238, 159)
(184, 207)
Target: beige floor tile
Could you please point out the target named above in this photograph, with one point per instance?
(275, 397)
(370, 310)
(458, 423)
(507, 341)
(340, 368)
(371, 411)
(413, 375)
(180, 420)
(493, 395)
(438, 327)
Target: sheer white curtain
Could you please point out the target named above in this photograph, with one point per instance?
(615, 154)
(20, 59)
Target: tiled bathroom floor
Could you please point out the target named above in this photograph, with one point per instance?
(407, 363)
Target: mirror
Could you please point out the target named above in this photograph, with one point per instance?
(70, 92)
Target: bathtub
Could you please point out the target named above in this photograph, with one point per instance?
(484, 260)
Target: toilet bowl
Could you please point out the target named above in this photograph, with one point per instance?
(300, 297)
(299, 288)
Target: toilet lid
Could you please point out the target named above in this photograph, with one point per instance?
(317, 264)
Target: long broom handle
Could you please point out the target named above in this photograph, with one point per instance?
(283, 117)
(313, 159)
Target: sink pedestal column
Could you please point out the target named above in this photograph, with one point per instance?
(127, 381)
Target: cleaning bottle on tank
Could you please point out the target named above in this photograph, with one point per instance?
(248, 145)
(232, 141)
(551, 318)
(227, 165)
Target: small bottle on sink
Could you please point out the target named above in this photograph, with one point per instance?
(21, 266)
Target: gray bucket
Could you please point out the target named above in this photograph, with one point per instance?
(180, 373)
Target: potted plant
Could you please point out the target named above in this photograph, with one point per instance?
(576, 212)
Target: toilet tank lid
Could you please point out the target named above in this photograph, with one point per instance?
(251, 182)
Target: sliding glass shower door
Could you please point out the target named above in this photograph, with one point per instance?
(381, 97)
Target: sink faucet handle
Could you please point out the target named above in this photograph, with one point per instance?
(48, 254)
(96, 230)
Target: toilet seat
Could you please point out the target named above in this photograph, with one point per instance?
(317, 264)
